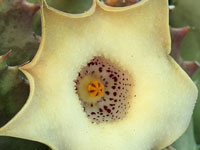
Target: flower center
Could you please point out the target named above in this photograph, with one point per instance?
(104, 89)
(95, 89)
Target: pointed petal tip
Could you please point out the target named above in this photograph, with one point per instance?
(177, 35)
(191, 67)
(185, 30)
(31, 7)
(35, 7)
(180, 32)
(5, 56)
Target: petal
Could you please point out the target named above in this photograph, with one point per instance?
(137, 37)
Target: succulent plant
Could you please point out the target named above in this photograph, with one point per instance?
(102, 78)
(16, 30)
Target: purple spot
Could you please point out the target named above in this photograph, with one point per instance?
(115, 93)
(107, 92)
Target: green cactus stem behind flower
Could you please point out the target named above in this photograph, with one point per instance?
(167, 148)
(161, 97)
(16, 30)
(71, 6)
(186, 141)
(15, 33)
(14, 90)
(186, 13)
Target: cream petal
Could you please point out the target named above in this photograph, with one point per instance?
(137, 38)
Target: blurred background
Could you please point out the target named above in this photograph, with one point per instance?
(20, 30)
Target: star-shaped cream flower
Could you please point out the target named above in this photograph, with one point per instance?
(104, 80)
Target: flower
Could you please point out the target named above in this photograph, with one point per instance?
(134, 41)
